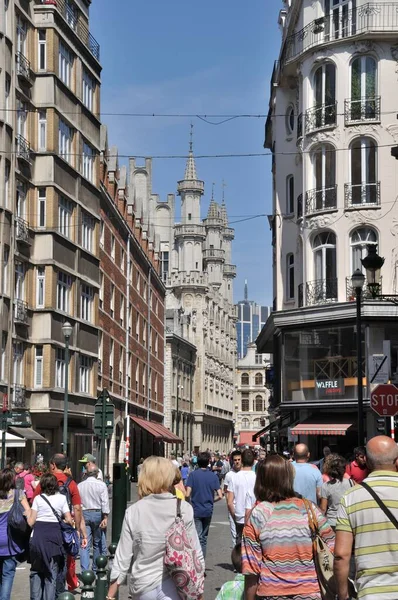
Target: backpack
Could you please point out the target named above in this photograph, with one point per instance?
(65, 491)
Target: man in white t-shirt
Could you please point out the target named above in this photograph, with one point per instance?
(236, 458)
(242, 483)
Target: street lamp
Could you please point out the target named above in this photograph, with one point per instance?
(67, 332)
(357, 281)
(373, 263)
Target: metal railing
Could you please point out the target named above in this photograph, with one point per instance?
(320, 200)
(21, 230)
(366, 293)
(320, 117)
(300, 206)
(18, 396)
(319, 291)
(213, 254)
(363, 109)
(361, 194)
(23, 148)
(370, 17)
(229, 270)
(23, 66)
(300, 126)
(20, 311)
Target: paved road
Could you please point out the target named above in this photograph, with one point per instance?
(218, 563)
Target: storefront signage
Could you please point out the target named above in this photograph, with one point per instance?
(19, 419)
(329, 387)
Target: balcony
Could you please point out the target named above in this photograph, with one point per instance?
(18, 396)
(20, 311)
(23, 148)
(363, 110)
(229, 270)
(214, 254)
(371, 17)
(229, 233)
(366, 294)
(23, 67)
(321, 116)
(320, 291)
(321, 200)
(361, 195)
(188, 230)
(22, 230)
(300, 206)
(299, 126)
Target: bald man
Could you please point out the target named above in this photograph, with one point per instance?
(363, 524)
(307, 478)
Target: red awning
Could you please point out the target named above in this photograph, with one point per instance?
(246, 438)
(159, 431)
(320, 428)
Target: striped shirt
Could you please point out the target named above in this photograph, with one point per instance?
(276, 546)
(376, 538)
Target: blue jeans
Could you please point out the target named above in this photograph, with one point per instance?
(92, 519)
(42, 588)
(8, 565)
(202, 525)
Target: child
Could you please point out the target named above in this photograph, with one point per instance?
(184, 473)
(234, 590)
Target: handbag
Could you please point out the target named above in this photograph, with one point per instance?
(181, 560)
(70, 536)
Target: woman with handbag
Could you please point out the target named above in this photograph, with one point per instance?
(143, 543)
(277, 549)
(11, 544)
(47, 552)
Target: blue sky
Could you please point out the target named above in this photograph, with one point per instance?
(212, 56)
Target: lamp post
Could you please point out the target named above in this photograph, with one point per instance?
(67, 332)
(358, 280)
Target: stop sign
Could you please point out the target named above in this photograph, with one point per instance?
(384, 400)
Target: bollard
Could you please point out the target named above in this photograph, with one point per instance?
(119, 496)
(87, 578)
(101, 587)
(112, 552)
(66, 596)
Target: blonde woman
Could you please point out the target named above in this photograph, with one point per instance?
(142, 543)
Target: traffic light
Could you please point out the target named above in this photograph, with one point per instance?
(381, 426)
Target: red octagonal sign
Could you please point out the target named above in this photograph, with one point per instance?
(384, 400)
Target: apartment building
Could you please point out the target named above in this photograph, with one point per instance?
(49, 218)
(331, 126)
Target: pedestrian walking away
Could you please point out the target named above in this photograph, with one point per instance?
(90, 463)
(95, 501)
(369, 529)
(307, 479)
(202, 484)
(241, 485)
(236, 457)
(333, 490)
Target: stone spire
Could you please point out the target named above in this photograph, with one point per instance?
(213, 212)
(190, 169)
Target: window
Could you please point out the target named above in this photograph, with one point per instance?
(189, 216)
(364, 188)
(130, 325)
(290, 276)
(156, 344)
(258, 380)
(164, 265)
(22, 30)
(87, 296)
(137, 375)
(7, 97)
(65, 209)
(324, 196)
(121, 365)
(6, 4)
(324, 112)
(38, 366)
(112, 246)
(85, 374)
(112, 300)
(22, 113)
(40, 286)
(245, 423)
(244, 380)
(138, 282)
(71, 14)
(290, 194)
(6, 183)
(324, 248)
(137, 326)
(87, 231)
(42, 129)
(4, 338)
(18, 352)
(65, 64)
(144, 326)
(19, 280)
(63, 289)
(21, 197)
(60, 368)
(364, 104)
(102, 234)
(144, 368)
(88, 89)
(6, 256)
(88, 162)
(41, 212)
(340, 19)
(361, 238)
(259, 404)
(245, 404)
(121, 314)
(289, 120)
(258, 359)
(122, 260)
(42, 51)
(111, 359)
(101, 290)
(65, 136)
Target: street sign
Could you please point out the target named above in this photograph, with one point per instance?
(384, 400)
(379, 367)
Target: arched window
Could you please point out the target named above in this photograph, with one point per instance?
(259, 404)
(360, 239)
(245, 423)
(324, 195)
(245, 404)
(364, 102)
(324, 248)
(324, 112)
(244, 379)
(290, 276)
(290, 194)
(363, 188)
(256, 423)
(258, 379)
(290, 120)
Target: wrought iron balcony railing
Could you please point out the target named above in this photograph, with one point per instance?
(320, 200)
(300, 126)
(300, 206)
(364, 109)
(18, 396)
(21, 230)
(229, 270)
(361, 195)
(23, 66)
(370, 17)
(20, 311)
(366, 293)
(320, 291)
(213, 254)
(23, 148)
(320, 117)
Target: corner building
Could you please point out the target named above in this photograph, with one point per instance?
(331, 125)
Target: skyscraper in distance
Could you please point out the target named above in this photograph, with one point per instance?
(251, 318)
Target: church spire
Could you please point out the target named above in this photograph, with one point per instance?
(190, 169)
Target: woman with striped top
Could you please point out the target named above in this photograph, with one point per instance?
(277, 558)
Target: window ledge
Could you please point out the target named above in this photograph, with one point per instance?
(362, 207)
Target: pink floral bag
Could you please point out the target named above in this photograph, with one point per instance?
(181, 560)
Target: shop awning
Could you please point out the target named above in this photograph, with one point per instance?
(316, 428)
(279, 422)
(28, 434)
(13, 441)
(159, 431)
(246, 438)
